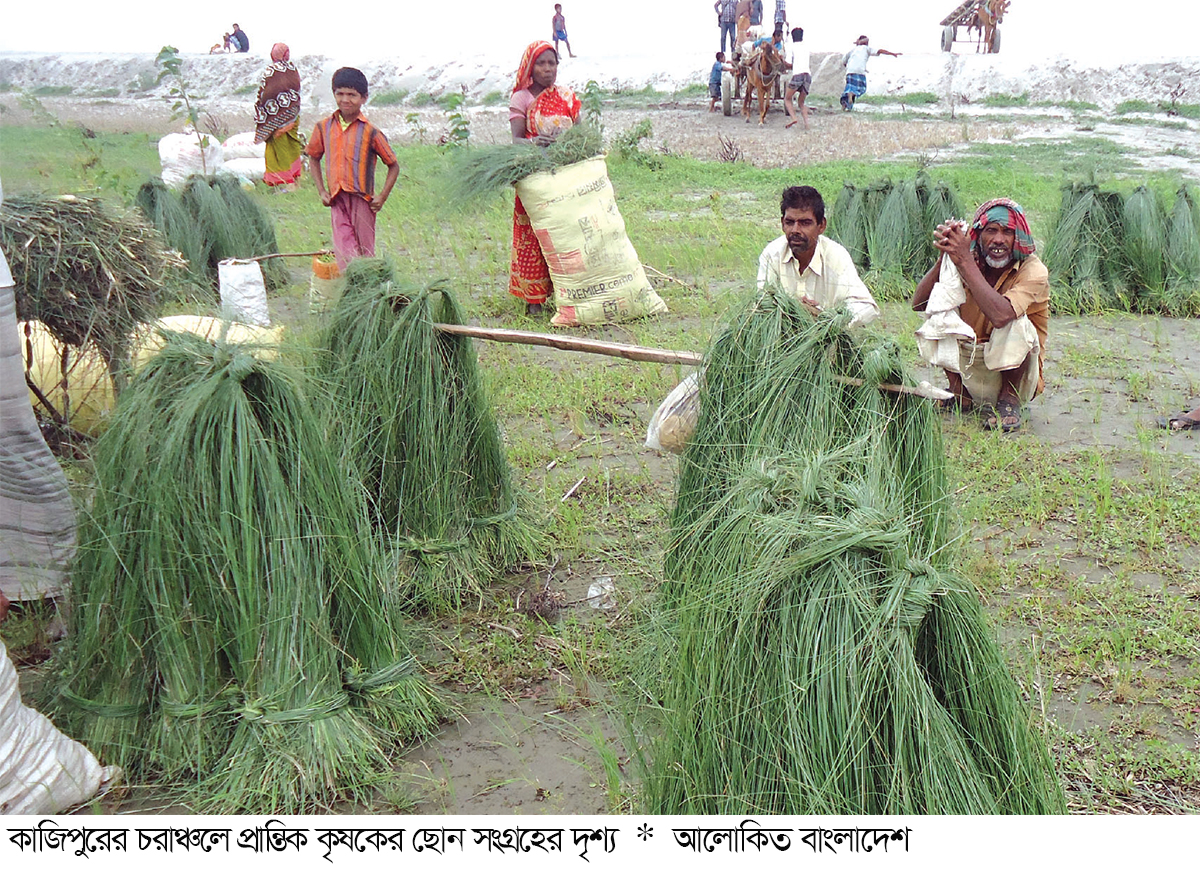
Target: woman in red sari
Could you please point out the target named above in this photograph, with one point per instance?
(539, 111)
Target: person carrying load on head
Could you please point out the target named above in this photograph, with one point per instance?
(987, 307)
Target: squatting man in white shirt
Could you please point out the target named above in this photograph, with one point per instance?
(806, 264)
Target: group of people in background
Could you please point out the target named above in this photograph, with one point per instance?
(739, 21)
(235, 41)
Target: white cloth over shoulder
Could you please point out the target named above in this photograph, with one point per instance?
(939, 336)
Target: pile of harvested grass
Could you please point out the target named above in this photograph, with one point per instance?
(212, 219)
(823, 655)
(887, 227)
(1112, 252)
(484, 170)
(411, 408)
(88, 273)
(232, 623)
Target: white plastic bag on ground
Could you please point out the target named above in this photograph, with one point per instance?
(242, 146)
(243, 292)
(248, 170)
(42, 771)
(596, 272)
(675, 420)
(181, 156)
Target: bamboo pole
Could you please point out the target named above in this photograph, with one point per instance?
(643, 354)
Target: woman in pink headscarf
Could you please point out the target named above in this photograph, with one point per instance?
(277, 119)
(539, 110)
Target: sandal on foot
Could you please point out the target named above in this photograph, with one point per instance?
(1179, 421)
(533, 309)
(1002, 411)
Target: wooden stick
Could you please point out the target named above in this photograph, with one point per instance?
(568, 342)
(283, 256)
(639, 354)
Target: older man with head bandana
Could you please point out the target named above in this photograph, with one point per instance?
(1000, 291)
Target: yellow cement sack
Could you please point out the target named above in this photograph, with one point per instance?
(76, 381)
(596, 272)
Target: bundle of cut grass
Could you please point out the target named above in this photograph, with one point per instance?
(1144, 247)
(231, 622)
(411, 407)
(212, 219)
(887, 228)
(824, 656)
(847, 222)
(1183, 254)
(485, 170)
(87, 273)
(1083, 251)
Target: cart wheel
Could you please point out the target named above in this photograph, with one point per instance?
(727, 93)
(995, 47)
(948, 38)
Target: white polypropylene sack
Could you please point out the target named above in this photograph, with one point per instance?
(675, 420)
(243, 292)
(596, 272)
(42, 770)
(243, 146)
(181, 156)
(247, 170)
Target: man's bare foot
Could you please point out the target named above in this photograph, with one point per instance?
(790, 124)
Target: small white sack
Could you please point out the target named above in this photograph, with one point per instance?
(42, 771)
(243, 292)
(181, 156)
(675, 420)
(243, 146)
(247, 170)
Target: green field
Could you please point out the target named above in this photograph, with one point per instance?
(1081, 533)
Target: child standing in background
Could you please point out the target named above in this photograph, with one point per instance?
(352, 144)
(559, 25)
(714, 80)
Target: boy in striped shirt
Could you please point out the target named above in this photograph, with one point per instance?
(352, 145)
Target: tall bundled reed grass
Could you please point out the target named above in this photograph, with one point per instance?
(209, 220)
(484, 170)
(414, 418)
(819, 652)
(233, 629)
(1111, 252)
(888, 227)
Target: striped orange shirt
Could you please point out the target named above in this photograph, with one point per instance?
(350, 162)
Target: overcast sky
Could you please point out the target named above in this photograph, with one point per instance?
(499, 28)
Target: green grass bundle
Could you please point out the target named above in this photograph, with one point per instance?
(1144, 247)
(232, 626)
(212, 219)
(888, 228)
(484, 170)
(847, 222)
(896, 240)
(88, 272)
(1183, 255)
(824, 655)
(1084, 251)
(411, 408)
